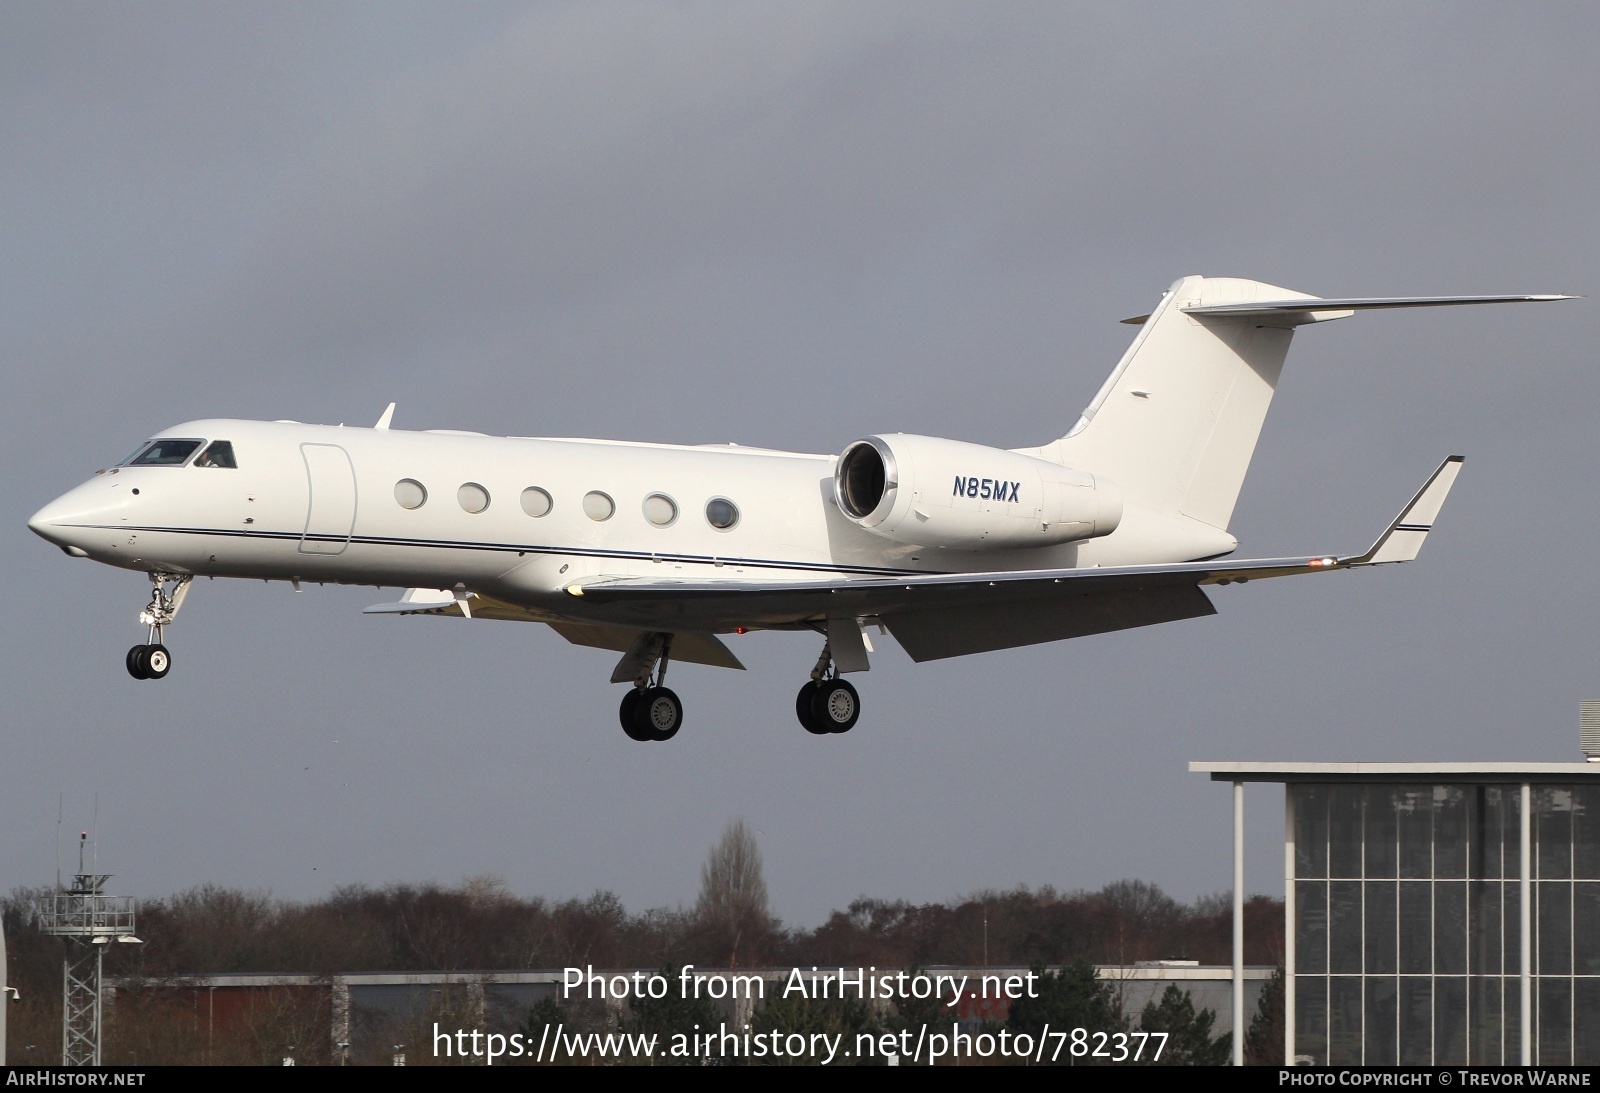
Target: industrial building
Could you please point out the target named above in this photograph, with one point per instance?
(1438, 913)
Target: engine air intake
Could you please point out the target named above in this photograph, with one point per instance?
(862, 479)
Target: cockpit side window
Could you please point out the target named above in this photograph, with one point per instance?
(220, 454)
(165, 453)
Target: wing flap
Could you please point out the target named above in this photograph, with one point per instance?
(418, 601)
(449, 604)
(691, 647)
(934, 635)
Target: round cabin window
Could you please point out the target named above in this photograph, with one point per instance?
(598, 506)
(660, 509)
(472, 497)
(721, 513)
(410, 494)
(536, 502)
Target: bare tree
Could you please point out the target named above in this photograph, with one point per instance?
(732, 907)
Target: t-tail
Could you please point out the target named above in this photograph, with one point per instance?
(1176, 422)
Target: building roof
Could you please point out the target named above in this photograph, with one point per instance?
(1480, 773)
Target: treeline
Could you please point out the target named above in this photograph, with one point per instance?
(480, 925)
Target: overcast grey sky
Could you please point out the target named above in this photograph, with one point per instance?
(788, 225)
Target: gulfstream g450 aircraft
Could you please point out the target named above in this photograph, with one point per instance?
(654, 550)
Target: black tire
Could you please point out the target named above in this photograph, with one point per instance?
(156, 661)
(627, 712)
(135, 662)
(659, 713)
(802, 710)
(835, 706)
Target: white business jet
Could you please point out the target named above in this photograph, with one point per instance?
(654, 550)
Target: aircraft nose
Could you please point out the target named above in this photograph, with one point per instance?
(41, 522)
(49, 523)
(67, 521)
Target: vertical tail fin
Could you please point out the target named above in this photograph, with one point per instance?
(1176, 422)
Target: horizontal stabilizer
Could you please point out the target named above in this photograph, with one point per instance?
(1296, 312)
(1403, 541)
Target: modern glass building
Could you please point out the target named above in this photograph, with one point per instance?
(1431, 906)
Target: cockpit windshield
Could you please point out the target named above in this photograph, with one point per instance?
(125, 460)
(164, 453)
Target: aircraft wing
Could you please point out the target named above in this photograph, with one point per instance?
(690, 646)
(945, 615)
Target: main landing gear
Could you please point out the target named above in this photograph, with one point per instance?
(827, 704)
(650, 711)
(152, 661)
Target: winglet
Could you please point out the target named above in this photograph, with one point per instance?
(1403, 541)
(388, 416)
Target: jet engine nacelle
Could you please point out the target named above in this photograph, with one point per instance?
(927, 491)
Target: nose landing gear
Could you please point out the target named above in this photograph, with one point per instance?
(650, 711)
(152, 660)
(827, 704)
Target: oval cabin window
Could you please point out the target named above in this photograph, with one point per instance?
(472, 497)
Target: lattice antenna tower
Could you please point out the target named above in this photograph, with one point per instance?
(88, 921)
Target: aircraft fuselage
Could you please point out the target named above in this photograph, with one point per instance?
(330, 504)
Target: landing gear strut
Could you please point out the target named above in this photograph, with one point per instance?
(650, 711)
(827, 704)
(152, 661)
